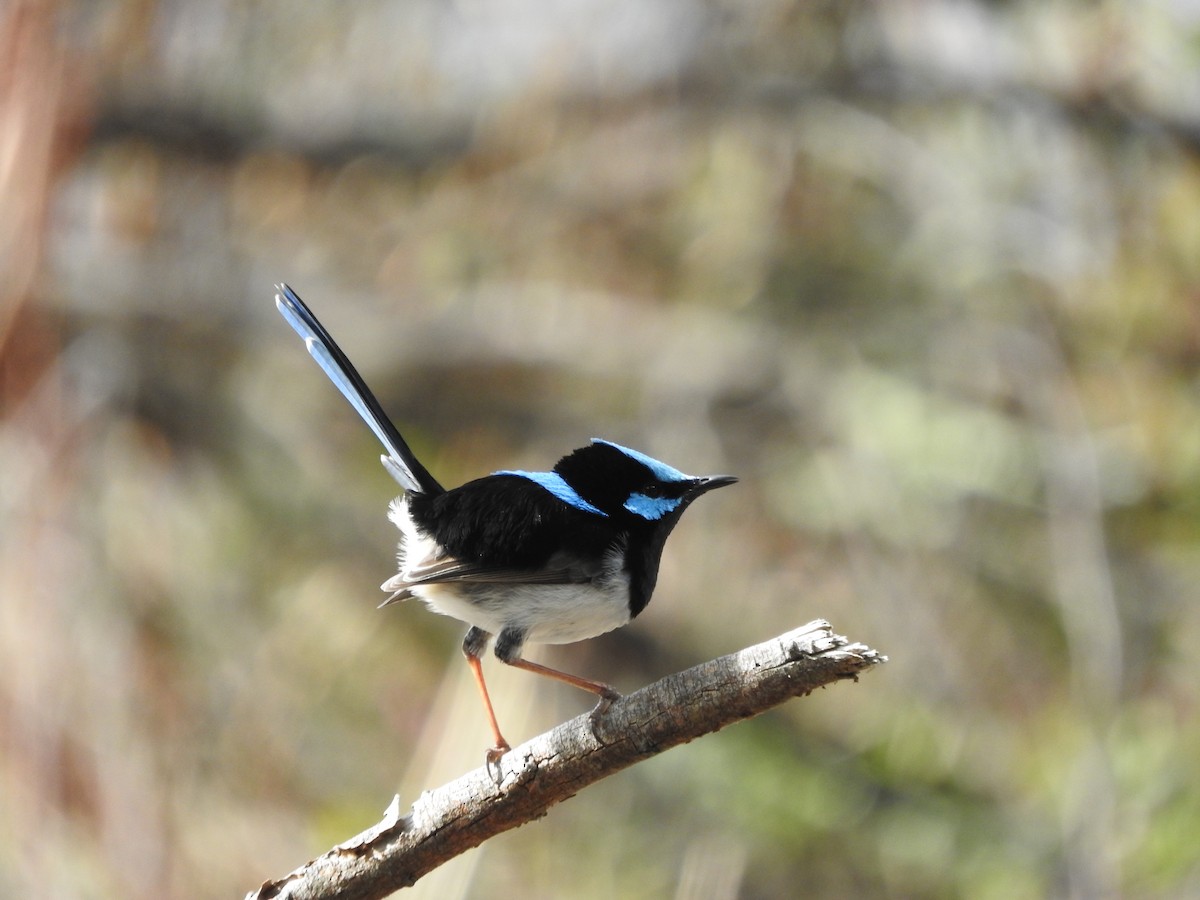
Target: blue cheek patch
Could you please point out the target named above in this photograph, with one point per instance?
(651, 508)
(554, 483)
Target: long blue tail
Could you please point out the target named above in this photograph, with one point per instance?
(399, 459)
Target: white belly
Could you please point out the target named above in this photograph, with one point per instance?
(548, 613)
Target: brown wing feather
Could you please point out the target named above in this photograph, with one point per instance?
(441, 570)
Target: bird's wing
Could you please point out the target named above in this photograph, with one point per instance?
(504, 529)
(448, 569)
(456, 571)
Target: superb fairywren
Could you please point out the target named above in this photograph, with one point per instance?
(551, 557)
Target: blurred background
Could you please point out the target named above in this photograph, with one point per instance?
(924, 274)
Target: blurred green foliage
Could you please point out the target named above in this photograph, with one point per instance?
(926, 276)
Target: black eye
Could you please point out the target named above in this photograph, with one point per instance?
(652, 490)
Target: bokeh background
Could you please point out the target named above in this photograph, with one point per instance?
(925, 274)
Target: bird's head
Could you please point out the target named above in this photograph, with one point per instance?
(631, 486)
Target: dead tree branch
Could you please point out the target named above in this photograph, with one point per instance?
(548, 769)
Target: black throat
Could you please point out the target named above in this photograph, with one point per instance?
(643, 553)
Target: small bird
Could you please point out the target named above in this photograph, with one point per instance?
(549, 557)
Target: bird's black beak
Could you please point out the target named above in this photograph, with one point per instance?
(709, 483)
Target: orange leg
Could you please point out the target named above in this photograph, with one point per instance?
(605, 692)
(508, 650)
(501, 747)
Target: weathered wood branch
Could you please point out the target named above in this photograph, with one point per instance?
(550, 768)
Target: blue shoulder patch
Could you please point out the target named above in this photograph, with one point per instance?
(661, 470)
(556, 485)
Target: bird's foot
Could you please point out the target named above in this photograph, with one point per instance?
(494, 755)
(608, 696)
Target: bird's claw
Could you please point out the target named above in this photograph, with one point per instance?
(493, 757)
(608, 697)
